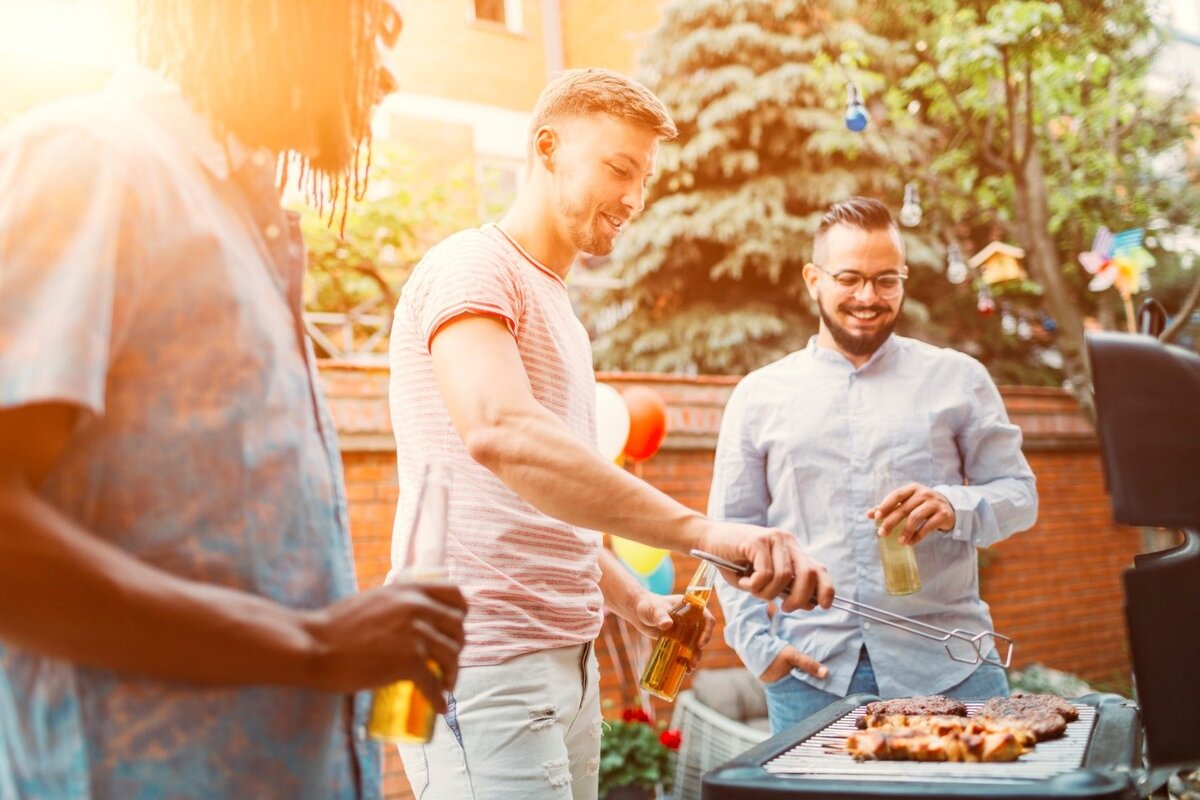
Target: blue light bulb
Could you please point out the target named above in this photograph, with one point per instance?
(857, 117)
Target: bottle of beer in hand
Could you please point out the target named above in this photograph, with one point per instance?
(674, 649)
(399, 712)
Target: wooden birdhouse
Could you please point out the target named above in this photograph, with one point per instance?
(999, 262)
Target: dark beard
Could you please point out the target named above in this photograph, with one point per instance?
(856, 344)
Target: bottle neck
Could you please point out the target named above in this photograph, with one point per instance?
(702, 581)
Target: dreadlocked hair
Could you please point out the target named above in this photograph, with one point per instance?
(262, 70)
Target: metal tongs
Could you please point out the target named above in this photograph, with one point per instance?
(977, 641)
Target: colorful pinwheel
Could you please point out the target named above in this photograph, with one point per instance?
(1117, 261)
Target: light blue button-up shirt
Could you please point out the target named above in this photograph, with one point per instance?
(798, 445)
(149, 277)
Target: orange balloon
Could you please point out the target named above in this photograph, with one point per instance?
(647, 422)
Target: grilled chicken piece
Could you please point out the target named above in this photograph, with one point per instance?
(933, 704)
(943, 725)
(905, 744)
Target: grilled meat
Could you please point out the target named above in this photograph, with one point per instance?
(1036, 716)
(906, 744)
(943, 725)
(1065, 708)
(919, 706)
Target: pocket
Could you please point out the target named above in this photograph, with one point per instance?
(908, 448)
(416, 768)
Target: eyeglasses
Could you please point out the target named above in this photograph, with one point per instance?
(888, 285)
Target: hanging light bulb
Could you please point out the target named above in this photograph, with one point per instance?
(910, 212)
(956, 267)
(985, 304)
(857, 117)
(1008, 323)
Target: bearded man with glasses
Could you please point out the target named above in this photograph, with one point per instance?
(800, 444)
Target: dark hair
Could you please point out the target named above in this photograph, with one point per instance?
(865, 213)
(260, 69)
(857, 212)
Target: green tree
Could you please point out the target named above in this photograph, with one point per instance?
(358, 268)
(1052, 130)
(712, 268)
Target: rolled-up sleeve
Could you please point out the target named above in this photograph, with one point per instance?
(1000, 497)
(739, 493)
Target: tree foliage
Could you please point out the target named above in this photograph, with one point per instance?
(758, 91)
(1023, 121)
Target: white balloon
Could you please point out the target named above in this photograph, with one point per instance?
(612, 421)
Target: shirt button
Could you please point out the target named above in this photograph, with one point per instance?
(862, 572)
(866, 626)
(360, 732)
(272, 231)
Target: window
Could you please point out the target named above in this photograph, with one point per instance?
(506, 13)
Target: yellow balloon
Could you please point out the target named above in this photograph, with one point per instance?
(642, 558)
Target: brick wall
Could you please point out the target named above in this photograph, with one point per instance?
(1055, 589)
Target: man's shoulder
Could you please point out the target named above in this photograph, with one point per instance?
(941, 356)
(467, 243)
(759, 385)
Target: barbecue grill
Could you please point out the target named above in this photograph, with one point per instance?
(1148, 422)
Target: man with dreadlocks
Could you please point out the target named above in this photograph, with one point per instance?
(178, 615)
(492, 372)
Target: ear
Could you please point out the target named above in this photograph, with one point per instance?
(811, 275)
(545, 146)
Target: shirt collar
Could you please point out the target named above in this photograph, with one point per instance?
(162, 100)
(834, 357)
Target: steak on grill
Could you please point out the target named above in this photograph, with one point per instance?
(919, 706)
(1045, 723)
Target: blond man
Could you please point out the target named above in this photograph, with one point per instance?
(492, 372)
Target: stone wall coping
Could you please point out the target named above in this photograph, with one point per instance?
(1048, 417)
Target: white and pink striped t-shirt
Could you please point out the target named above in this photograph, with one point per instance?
(531, 580)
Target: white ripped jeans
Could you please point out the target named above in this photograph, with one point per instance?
(526, 729)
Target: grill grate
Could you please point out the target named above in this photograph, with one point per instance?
(823, 756)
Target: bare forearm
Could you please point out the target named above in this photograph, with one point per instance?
(66, 593)
(539, 458)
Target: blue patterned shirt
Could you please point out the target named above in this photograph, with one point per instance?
(149, 277)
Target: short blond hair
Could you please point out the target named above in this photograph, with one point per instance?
(592, 91)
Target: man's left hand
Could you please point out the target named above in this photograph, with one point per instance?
(927, 511)
(652, 616)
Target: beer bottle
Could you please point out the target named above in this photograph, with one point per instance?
(674, 649)
(399, 712)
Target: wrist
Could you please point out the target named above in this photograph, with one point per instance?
(315, 661)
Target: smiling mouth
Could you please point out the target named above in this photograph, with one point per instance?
(615, 222)
(866, 314)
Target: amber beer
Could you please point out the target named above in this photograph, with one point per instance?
(399, 712)
(900, 575)
(674, 649)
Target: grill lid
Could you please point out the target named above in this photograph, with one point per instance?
(1148, 420)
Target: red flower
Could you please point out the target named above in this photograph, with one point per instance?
(635, 715)
(671, 738)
